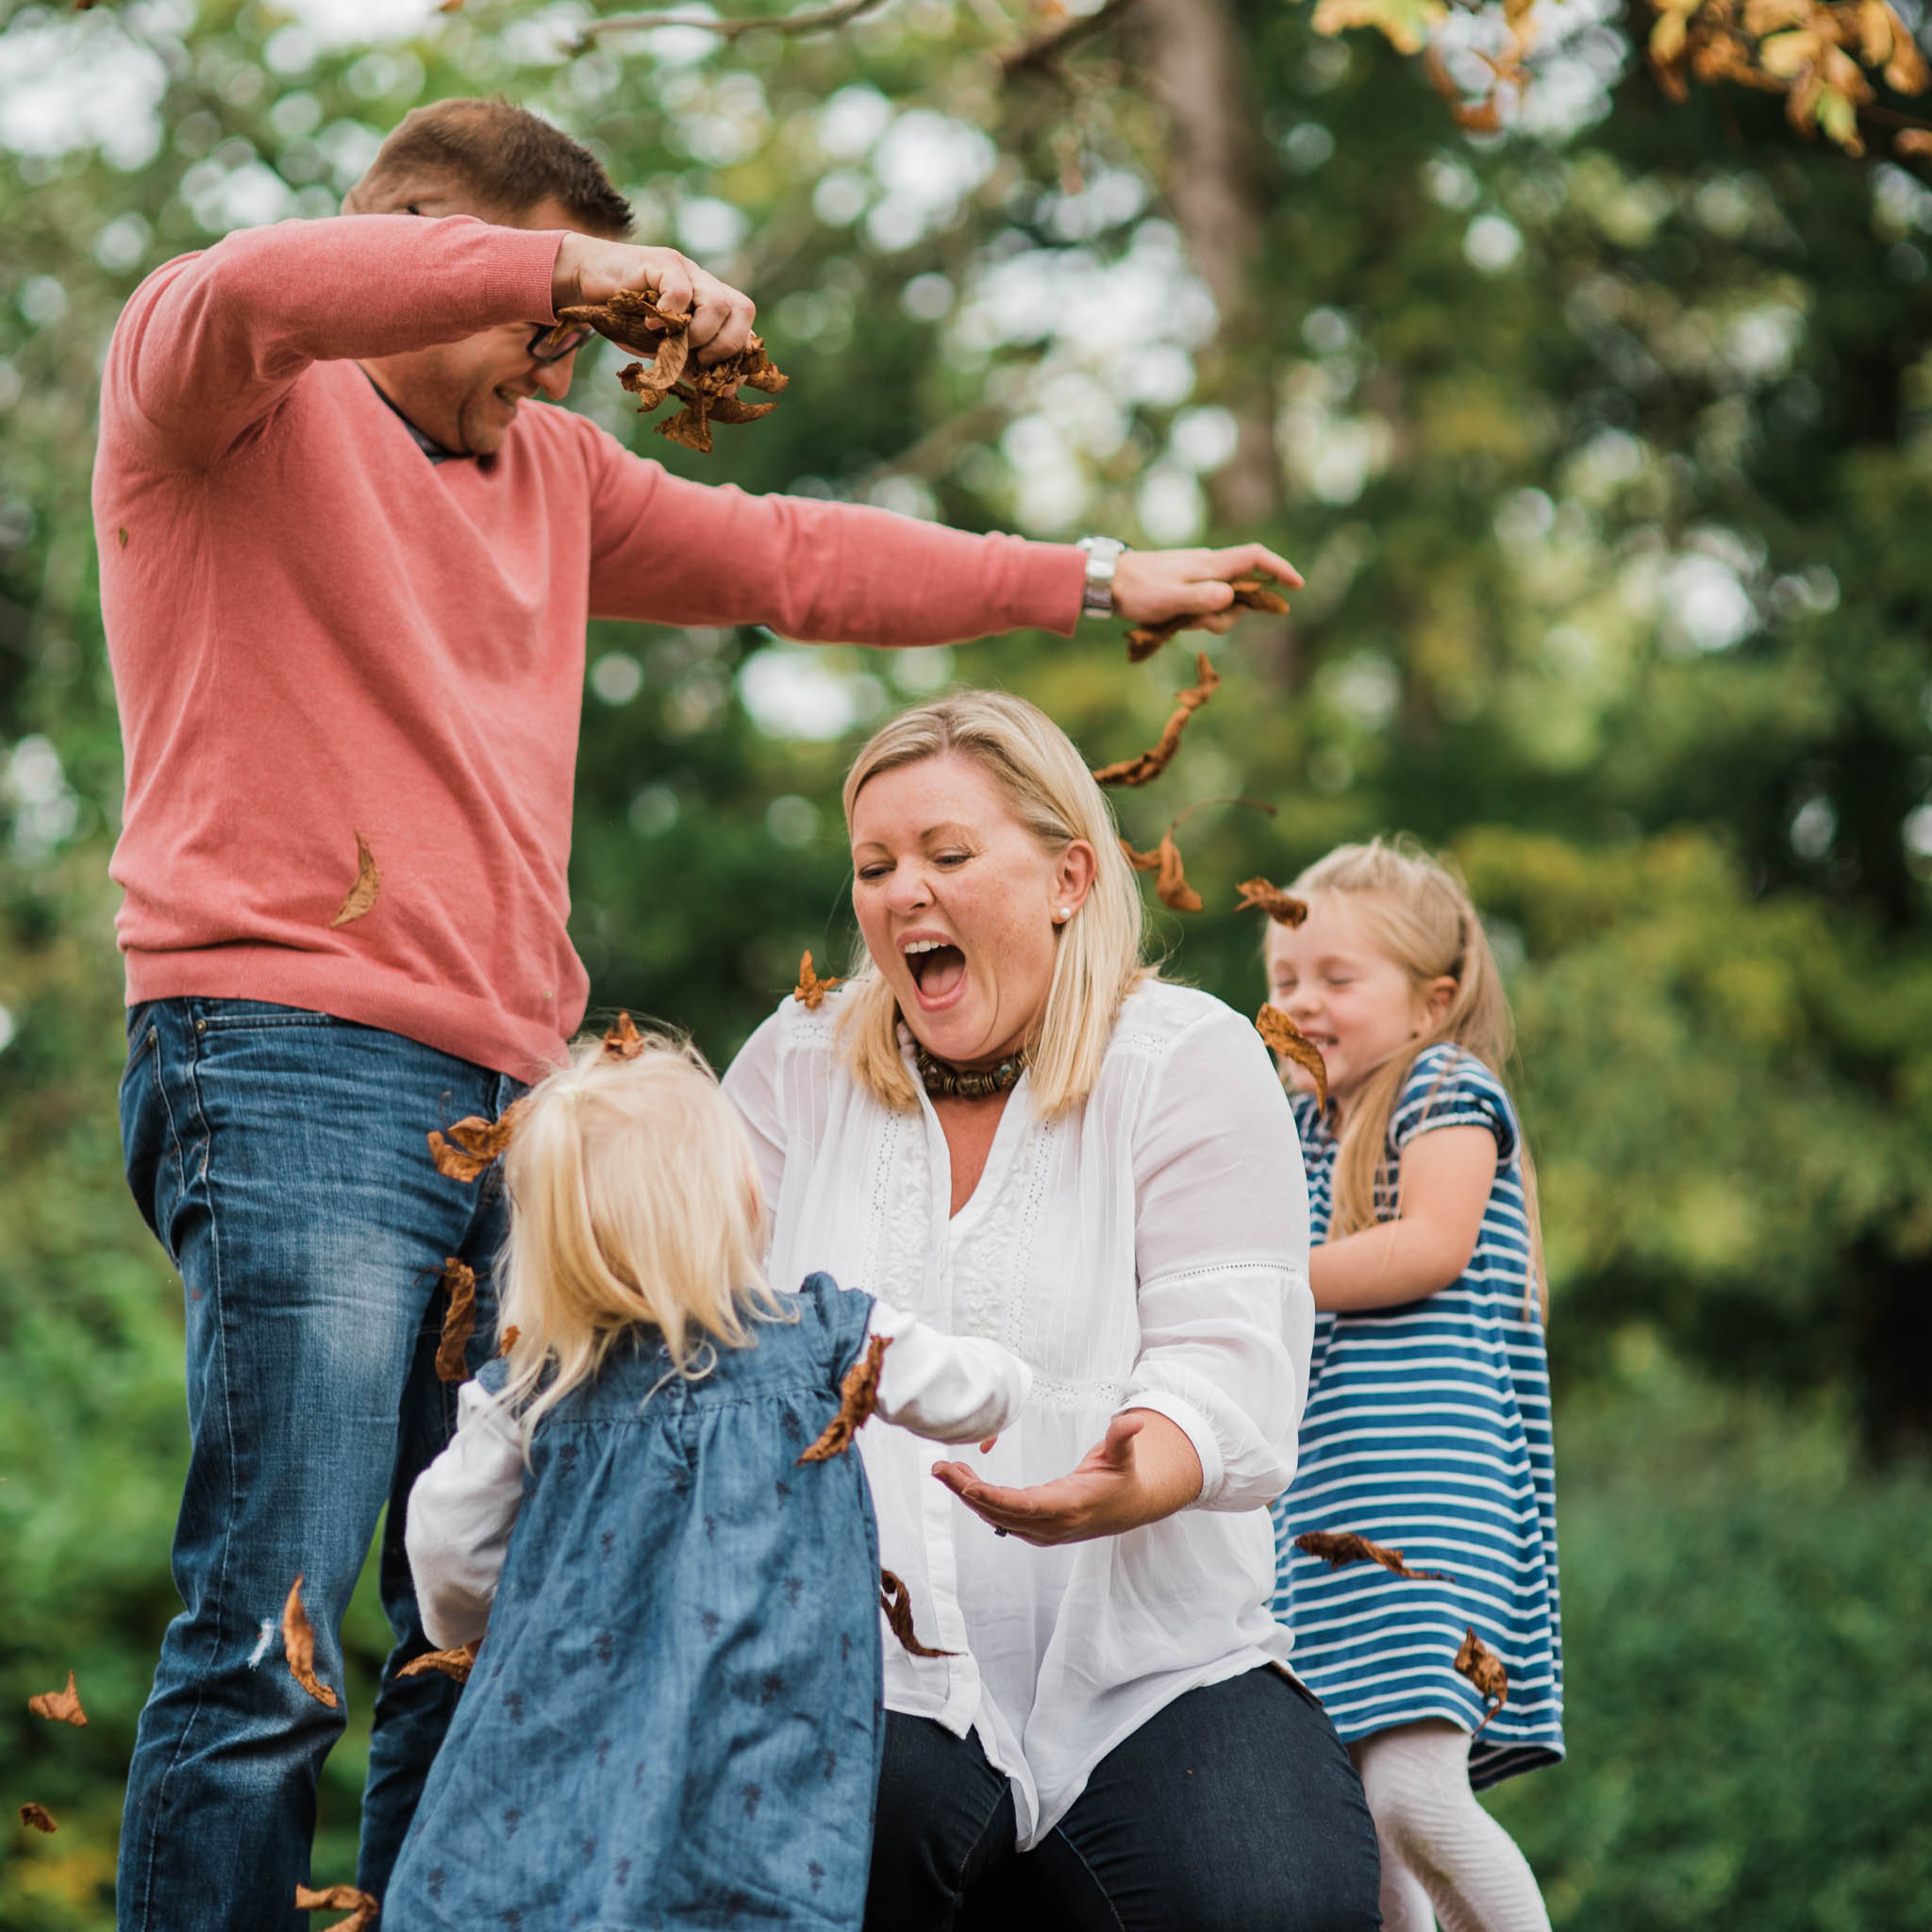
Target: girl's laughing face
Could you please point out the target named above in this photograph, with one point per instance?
(958, 904)
(1357, 1004)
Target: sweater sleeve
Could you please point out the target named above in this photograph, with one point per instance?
(461, 1514)
(947, 1388)
(665, 550)
(210, 342)
(1222, 1246)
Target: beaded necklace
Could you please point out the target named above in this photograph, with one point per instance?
(945, 1082)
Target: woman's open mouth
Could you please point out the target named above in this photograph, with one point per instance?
(938, 971)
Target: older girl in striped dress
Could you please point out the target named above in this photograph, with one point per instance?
(1428, 1425)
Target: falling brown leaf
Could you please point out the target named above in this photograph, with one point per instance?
(1150, 764)
(858, 1394)
(1484, 1669)
(1285, 1037)
(120, 536)
(1337, 1547)
(62, 1706)
(897, 1601)
(621, 1040)
(1284, 908)
(1172, 886)
(38, 1817)
(1250, 593)
(363, 1909)
(455, 1663)
(510, 1340)
(367, 884)
(810, 989)
(298, 1646)
(459, 1320)
(472, 1142)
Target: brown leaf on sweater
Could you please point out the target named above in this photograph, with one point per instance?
(455, 1663)
(1250, 593)
(1150, 764)
(459, 1320)
(120, 536)
(1337, 1547)
(1285, 1037)
(367, 884)
(1260, 897)
(1484, 1669)
(472, 1143)
(897, 1601)
(38, 1817)
(363, 1909)
(60, 1707)
(810, 989)
(298, 1646)
(858, 1394)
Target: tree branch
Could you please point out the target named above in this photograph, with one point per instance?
(1043, 50)
(815, 20)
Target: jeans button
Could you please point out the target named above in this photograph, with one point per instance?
(201, 1026)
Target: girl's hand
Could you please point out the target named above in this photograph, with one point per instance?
(1151, 586)
(1144, 1469)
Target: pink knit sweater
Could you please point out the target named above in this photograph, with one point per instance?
(319, 636)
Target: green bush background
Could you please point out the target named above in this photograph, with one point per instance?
(1605, 447)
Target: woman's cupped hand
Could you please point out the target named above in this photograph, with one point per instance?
(1143, 1469)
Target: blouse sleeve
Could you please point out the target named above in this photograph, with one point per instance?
(1447, 1087)
(461, 1514)
(1222, 1255)
(751, 1085)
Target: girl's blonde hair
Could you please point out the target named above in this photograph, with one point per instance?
(1050, 790)
(634, 1200)
(1418, 914)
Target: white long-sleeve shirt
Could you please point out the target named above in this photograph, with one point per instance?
(948, 1388)
(1147, 1250)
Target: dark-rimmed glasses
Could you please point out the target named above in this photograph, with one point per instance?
(568, 343)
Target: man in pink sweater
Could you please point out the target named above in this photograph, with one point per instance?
(346, 562)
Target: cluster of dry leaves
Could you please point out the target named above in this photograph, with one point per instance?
(1820, 56)
(1475, 1659)
(709, 392)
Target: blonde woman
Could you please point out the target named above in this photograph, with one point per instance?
(1006, 1125)
(674, 1718)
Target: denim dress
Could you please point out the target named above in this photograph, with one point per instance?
(674, 1717)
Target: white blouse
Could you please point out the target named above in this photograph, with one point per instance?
(1147, 1250)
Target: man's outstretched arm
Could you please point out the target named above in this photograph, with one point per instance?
(667, 550)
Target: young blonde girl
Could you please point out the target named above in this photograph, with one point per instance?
(1428, 1425)
(674, 1718)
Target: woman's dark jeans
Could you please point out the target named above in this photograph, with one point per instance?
(1235, 1809)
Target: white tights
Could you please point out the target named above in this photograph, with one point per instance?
(1439, 1847)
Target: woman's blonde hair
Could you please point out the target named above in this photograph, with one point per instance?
(1418, 914)
(1050, 790)
(634, 1201)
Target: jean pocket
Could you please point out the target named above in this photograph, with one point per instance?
(226, 1016)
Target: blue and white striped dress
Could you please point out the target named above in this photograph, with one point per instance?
(1428, 1428)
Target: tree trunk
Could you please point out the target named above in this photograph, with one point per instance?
(1219, 185)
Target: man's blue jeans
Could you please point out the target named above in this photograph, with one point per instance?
(279, 1158)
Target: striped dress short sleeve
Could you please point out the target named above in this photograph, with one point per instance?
(1427, 1430)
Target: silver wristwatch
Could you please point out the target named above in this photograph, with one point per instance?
(1103, 552)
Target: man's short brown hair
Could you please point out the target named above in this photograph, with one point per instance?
(496, 157)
